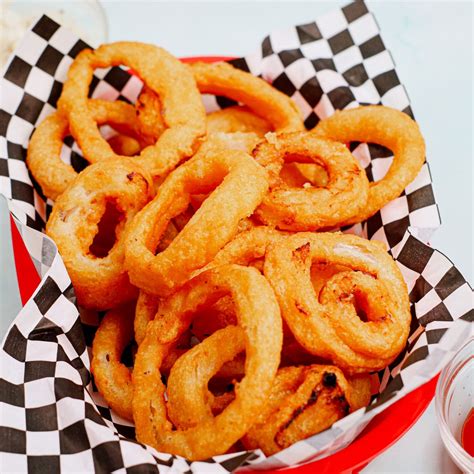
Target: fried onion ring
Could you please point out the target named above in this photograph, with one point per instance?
(182, 108)
(384, 126)
(258, 315)
(113, 379)
(189, 400)
(289, 208)
(307, 398)
(100, 283)
(208, 230)
(243, 141)
(44, 150)
(327, 324)
(279, 110)
(303, 401)
(206, 321)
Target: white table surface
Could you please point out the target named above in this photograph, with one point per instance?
(431, 42)
(431, 45)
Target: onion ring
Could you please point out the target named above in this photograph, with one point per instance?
(327, 324)
(182, 108)
(100, 283)
(189, 400)
(288, 208)
(113, 379)
(235, 128)
(44, 150)
(259, 96)
(384, 126)
(304, 401)
(198, 242)
(206, 321)
(249, 248)
(307, 398)
(258, 315)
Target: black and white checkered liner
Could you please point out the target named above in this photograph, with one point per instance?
(52, 418)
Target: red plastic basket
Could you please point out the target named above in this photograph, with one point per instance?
(381, 433)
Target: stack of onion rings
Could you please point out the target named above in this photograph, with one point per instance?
(304, 400)
(262, 326)
(267, 334)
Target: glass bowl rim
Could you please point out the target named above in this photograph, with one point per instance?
(446, 379)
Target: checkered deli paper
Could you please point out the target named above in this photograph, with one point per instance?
(52, 418)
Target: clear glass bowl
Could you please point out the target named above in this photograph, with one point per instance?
(86, 18)
(453, 402)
